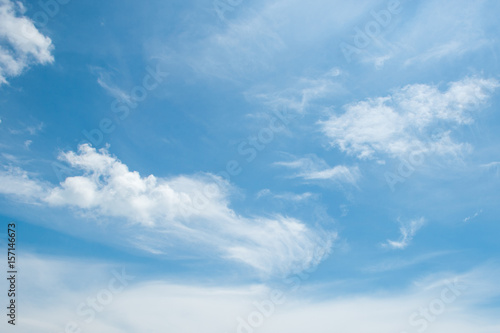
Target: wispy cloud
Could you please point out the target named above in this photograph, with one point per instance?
(452, 48)
(300, 95)
(491, 165)
(104, 79)
(408, 231)
(394, 264)
(476, 214)
(263, 36)
(313, 168)
(451, 30)
(417, 117)
(287, 196)
(28, 143)
(460, 25)
(28, 129)
(21, 44)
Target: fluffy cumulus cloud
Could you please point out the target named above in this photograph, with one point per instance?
(415, 118)
(110, 188)
(313, 168)
(21, 44)
(190, 210)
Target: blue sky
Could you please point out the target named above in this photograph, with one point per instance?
(219, 150)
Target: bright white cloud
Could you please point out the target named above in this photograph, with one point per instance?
(408, 231)
(189, 210)
(108, 187)
(415, 118)
(313, 168)
(21, 44)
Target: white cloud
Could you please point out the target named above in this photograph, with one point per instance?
(110, 188)
(454, 303)
(415, 118)
(313, 168)
(191, 211)
(22, 44)
(408, 231)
